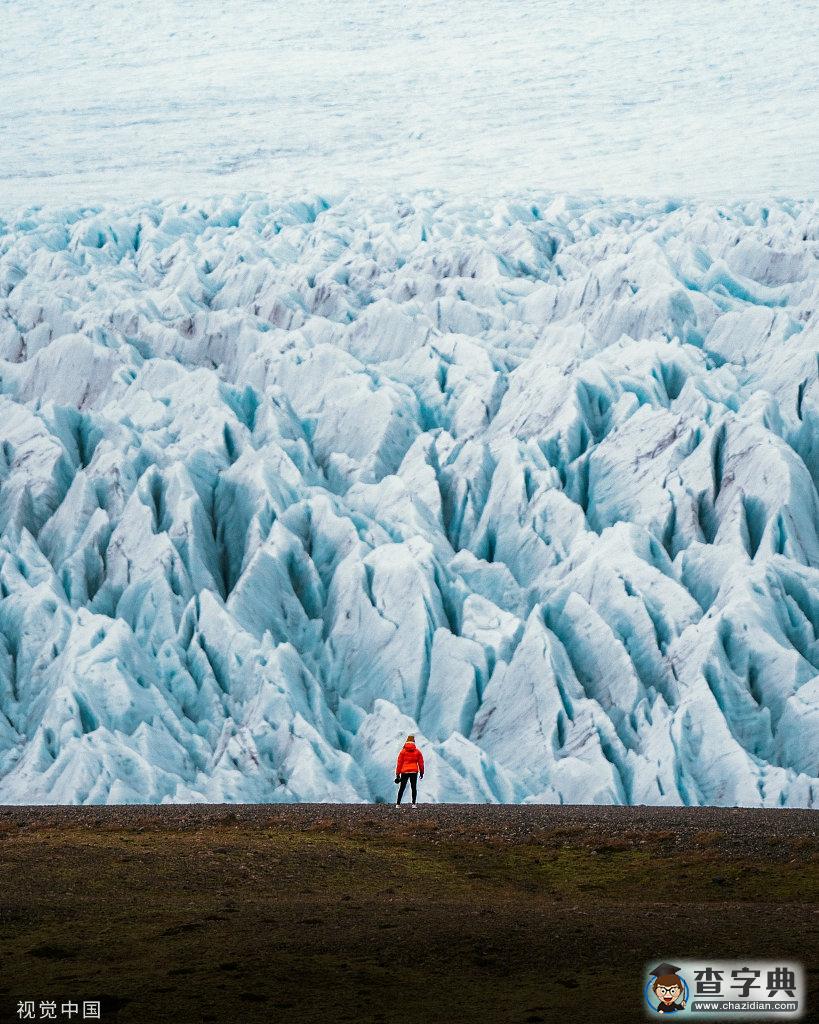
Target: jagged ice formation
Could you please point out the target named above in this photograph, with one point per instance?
(283, 481)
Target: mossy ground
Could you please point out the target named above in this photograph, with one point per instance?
(381, 923)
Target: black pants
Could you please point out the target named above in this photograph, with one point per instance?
(412, 779)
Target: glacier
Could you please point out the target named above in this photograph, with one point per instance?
(283, 479)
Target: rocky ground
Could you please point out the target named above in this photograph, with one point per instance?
(363, 913)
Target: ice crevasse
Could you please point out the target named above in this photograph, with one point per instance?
(284, 480)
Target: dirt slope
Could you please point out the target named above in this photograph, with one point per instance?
(337, 913)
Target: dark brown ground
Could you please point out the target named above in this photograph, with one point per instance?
(444, 914)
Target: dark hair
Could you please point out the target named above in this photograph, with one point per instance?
(668, 980)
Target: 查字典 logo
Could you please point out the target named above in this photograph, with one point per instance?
(666, 991)
(750, 990)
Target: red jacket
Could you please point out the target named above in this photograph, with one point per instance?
(410, 760)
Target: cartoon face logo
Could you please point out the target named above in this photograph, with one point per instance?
(666, 991)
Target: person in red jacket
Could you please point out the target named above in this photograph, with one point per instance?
(408, 767)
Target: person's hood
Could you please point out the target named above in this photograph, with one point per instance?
(409, 745)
